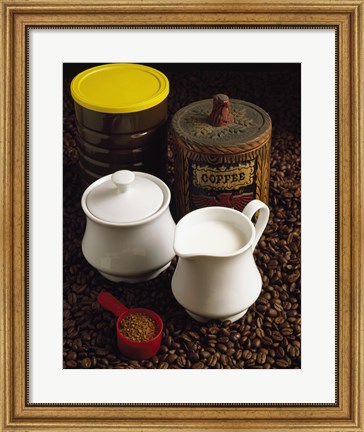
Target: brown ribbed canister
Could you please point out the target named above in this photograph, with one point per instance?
(221, 154)
(131, 132)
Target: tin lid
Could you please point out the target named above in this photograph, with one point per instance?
(119, 88)
(221, 122)
(125, 197)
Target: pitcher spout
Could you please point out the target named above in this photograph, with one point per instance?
(179, 245)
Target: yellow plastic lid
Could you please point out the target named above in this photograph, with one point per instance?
(119, 88)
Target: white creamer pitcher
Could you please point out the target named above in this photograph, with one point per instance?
(216, 276)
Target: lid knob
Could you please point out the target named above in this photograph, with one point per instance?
(220, 114)
(123, 179)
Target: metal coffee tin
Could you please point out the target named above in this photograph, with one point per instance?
(221, 154)
(121, 118)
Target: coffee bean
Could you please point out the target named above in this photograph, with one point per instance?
(222, 348)
(205, 354)
(181, 361)
(72, 298)
(281, 363)
(68, 324)
(234, 336)
(261, 357)
(260, 332)
(213, 330)
(185, 337)
(259, 322)
(287, 331)
(272, 312)
(230, 352)
(238, 354)
(163, 349)
(111, 357)
(103, 361)
(277, 336)
(167, 341)
(249, 318)
(250, 362)
(247, 354)
(72, 333)
(279, 320)
(278, 307)
(211, 361)
(280, 352)
(273, 264)
(171, 358)
(163, 365)
(266, 340)
(294, 351)
(226, 323)
(86, 363)
(294, 276)
(193, 357)
(71, 356)
(262, 308)
(270, 360)
(224, 359)
(256, 343)
(194, 335)
(263, 300)
(198, 365)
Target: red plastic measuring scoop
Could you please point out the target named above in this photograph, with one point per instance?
(130, 348)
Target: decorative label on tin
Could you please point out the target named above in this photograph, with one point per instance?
(231, 177)
(222, 185)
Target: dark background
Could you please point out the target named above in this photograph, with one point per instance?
(275, 87)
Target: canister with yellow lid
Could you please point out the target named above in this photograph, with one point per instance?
(121, 117)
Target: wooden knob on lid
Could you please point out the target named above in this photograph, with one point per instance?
(220, 114)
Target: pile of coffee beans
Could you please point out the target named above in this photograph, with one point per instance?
(269, 335)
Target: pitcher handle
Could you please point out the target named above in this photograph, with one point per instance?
(250, 209)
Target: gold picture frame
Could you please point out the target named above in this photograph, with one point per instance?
(347, 18)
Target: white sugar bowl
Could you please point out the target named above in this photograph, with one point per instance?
(129, 230)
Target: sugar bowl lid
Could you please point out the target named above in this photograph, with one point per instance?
(125, 197)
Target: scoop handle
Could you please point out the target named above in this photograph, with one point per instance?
(250, 209)
(109, 302)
